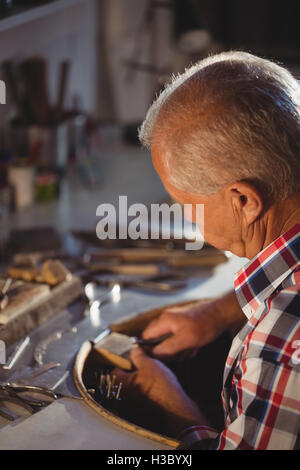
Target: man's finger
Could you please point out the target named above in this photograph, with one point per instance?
(168, 347)
(157, 328)
(138, 357)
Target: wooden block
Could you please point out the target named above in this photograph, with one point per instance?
(54, 272)
(23, 296)
(34, 305)
(27, 274)
(115, 360)
(114, 349)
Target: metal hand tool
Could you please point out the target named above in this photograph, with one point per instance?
(95, 302)
(20, 348)
(14, 390)
(23, 395)
(41, 348)
(151, 342)
(144, 284)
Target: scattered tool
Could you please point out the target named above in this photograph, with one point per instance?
(151, 342)
(144, 284)
(23, 395)
(129, 269)
(3, 294)
(37, 371)
(96, 301)
(91, 238)
(132, 255)
(205, 257)
(20, 348)
(41, 348)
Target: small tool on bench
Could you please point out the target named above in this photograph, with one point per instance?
(17, 353)
(125, 269)
(115, 347)
(3, 294)
(143, 284)
(96, 300)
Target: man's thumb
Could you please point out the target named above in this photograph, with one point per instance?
(166, 348)
(138, 357)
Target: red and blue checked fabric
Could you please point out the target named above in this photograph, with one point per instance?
(261, 387)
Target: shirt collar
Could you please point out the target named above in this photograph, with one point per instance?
(261, 276)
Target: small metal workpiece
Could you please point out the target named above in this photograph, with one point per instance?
(107, 388)
(41, 348)
(119, 391)
(20, 348)
(96, 300)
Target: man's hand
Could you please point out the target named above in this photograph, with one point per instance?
(154, 389)
(193, 326)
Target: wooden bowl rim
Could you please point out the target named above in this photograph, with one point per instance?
(79, 363)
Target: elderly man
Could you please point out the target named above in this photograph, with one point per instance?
(226, 134)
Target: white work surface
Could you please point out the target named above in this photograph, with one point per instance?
(70, 424)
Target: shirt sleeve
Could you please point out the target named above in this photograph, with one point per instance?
(264, 412)
(198, 437)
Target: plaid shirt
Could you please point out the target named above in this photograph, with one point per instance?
(261, 387)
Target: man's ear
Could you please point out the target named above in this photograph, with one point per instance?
(246, 199)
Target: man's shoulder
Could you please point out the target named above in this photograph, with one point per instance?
(279, 329)
(286, 299)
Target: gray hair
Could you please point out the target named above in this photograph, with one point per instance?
(230, 117)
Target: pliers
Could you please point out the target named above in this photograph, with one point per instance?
(20, 395)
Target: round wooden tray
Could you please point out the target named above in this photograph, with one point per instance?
(132, 325)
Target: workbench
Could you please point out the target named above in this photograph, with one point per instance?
(71, 424)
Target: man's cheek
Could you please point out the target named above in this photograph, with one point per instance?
(194, 213)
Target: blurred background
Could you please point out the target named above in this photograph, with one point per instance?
(76, 80)
(79, 77)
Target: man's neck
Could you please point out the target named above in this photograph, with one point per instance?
(281, 218)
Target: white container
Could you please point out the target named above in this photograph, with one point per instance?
(22, 180)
